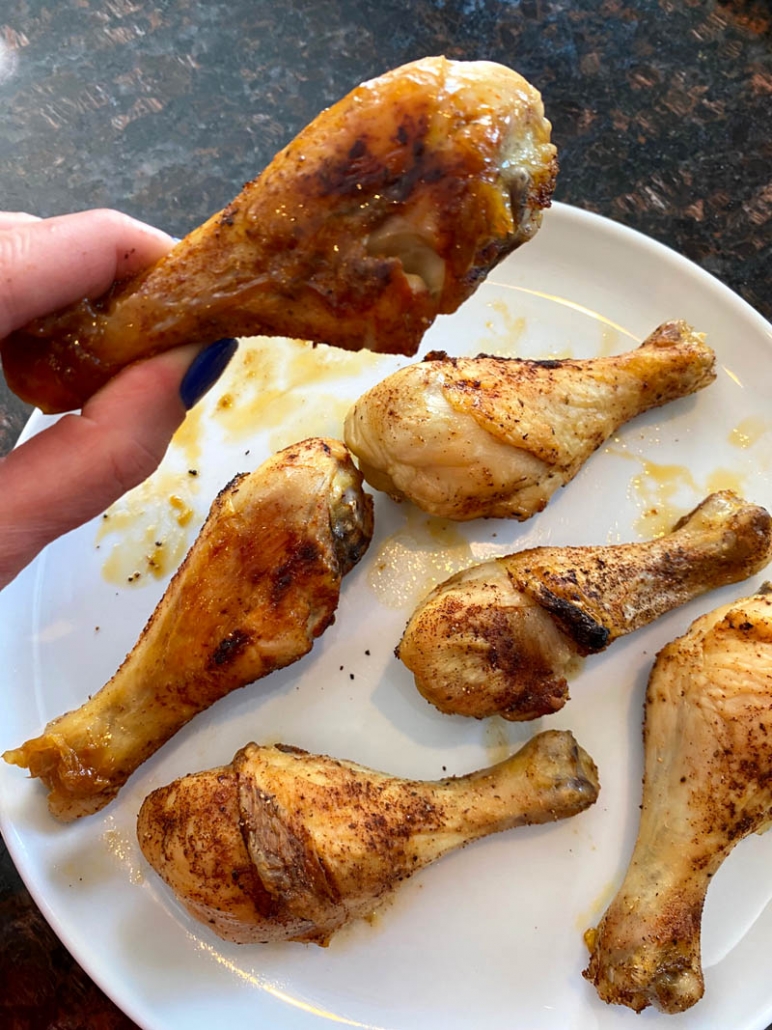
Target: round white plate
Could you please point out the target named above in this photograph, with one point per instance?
(490, 936)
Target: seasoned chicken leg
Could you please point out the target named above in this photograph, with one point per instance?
(707, 784)
(469, 437)
(283, 845)
(503, 636)
(386, 211)
(260, 583)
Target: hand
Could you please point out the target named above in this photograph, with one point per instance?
(76, 468)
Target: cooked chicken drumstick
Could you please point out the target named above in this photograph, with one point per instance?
(503, 636)
(386, 211)
(469, 437)
(707, 784)
(260, 583)
(283, 845)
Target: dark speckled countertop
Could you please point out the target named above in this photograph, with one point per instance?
(662, 112)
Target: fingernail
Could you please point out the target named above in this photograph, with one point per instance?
(206, 369)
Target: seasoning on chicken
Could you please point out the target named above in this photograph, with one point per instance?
(707, 785)
(387, 210)
(502, 637)
(259, 584)
(464, 438)
(282, 845)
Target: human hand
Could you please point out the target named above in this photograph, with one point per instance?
(76, 468)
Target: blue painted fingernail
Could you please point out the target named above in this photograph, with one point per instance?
(206, 369)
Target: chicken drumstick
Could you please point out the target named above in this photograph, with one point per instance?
(259, 584)
(503, 636)
(282, 845)
(464, 438)
(707, 784)
(387, 210)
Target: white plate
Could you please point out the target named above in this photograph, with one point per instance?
(492, 935)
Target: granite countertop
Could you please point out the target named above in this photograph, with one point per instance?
(661, 112)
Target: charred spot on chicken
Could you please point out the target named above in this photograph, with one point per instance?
(505, 636)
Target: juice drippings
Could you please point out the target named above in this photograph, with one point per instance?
(412, 561)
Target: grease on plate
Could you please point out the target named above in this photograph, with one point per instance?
(748, 432)
(587, 919)
(149, 530)
(665, 491)
(414, 559)
(659, 488)
(288, 389)
(279, 385)
(95, 861)
(125, 851)
(506, 330)
(582, 309)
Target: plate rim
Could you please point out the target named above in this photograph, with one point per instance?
(582, 218)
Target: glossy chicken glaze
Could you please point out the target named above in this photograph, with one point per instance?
(387, 210)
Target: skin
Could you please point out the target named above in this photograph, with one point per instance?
(76, 468)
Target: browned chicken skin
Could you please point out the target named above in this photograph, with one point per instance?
(386, 211)
(707, 785)
(260, 583)
(283, 845)
(503, 637)
(469, 437)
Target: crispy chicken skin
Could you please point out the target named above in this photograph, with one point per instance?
(387, 210)
(502, 637)
(469, 437)
(259, 584)
(707, 785)
(283, 845)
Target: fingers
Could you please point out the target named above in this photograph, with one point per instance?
(50, 262)
(9, 219)
(76, 468)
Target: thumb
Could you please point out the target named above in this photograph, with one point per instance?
(72, 471)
